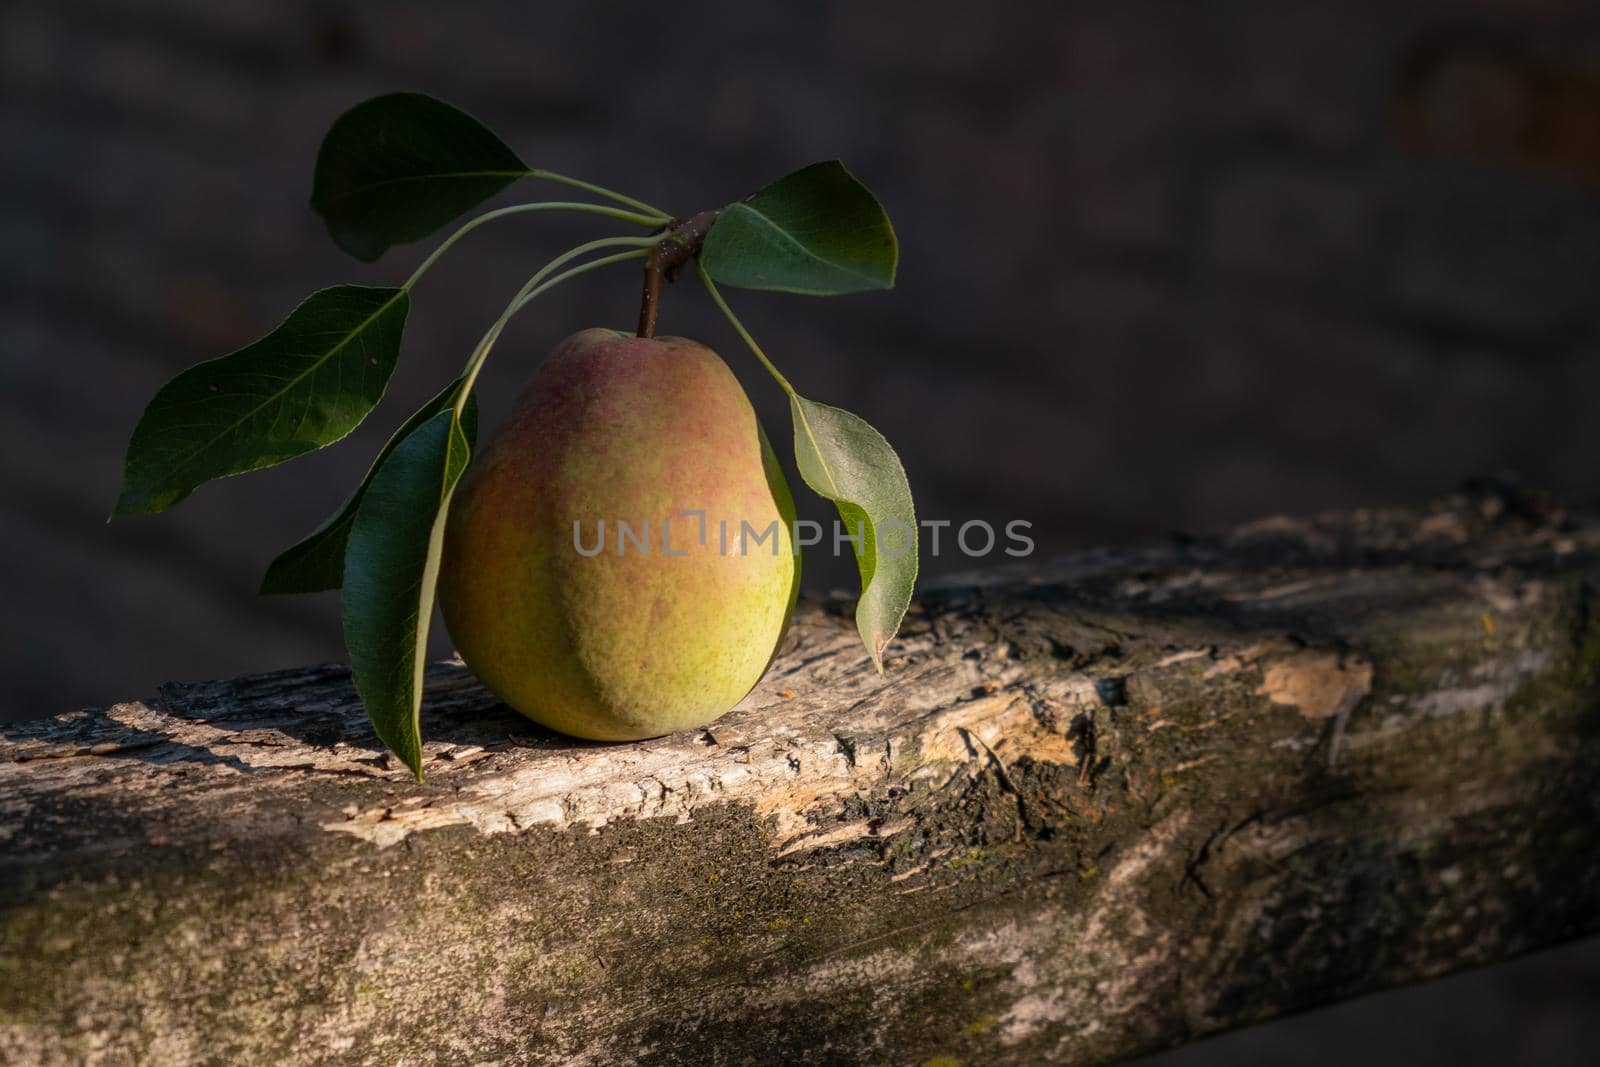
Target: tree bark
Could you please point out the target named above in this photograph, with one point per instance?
(1093, 808)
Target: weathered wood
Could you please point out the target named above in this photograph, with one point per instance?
(1096, 808)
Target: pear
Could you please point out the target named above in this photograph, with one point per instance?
(618, 561)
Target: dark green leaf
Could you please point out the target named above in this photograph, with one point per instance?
(302, 386)
(396, 168)
(317, 562)
(818, 231)
(850, 463)
(390, 570)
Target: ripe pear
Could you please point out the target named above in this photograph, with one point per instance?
(666, 627)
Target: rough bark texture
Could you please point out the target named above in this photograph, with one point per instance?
(1097, 807)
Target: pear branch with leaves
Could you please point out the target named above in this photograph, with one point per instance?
(397, 169)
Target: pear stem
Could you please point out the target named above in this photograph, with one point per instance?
(650, 301)
(681, 241)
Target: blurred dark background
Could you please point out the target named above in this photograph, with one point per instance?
(1164, 266)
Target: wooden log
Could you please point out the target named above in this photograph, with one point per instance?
(1094, 808)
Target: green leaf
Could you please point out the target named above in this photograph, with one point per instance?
(302, 386)
(846, 460)
(317, 562)
(396, 168)
(818, 232)
(391, 568)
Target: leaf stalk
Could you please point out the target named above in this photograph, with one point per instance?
(638, 248)
(659, 217)
(515, 209)
(716, 297)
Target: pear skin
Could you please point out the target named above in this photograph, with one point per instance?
(676, 617)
